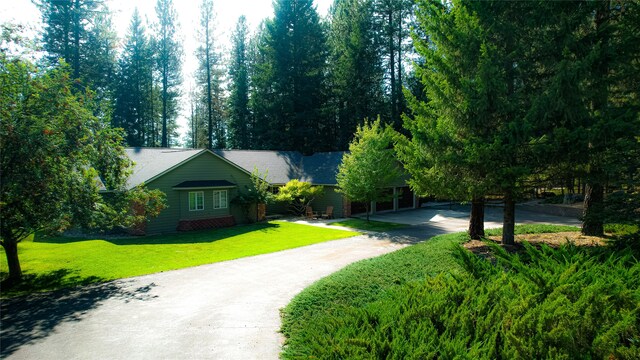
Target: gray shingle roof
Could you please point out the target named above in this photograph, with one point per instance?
(319, 169)
(151, 162)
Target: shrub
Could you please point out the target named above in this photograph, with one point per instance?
(543, 303)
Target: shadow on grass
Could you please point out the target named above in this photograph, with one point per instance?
(191, 237)
(26, 319)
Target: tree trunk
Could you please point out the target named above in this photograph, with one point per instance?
(15, 271)
(392, 64)
(509, 221)
(476, 220)
(592, 223)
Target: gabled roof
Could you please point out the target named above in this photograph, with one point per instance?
(153, 162)
(283, 166)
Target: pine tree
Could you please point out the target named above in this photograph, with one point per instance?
(356, 76)
(210, 76)
(239, 116)
(133, 111)
(169, 62)
(295, 53)
(80, 33)
(393, 21)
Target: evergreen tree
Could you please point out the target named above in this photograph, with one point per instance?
(356, 74)
(80, 33)
(294, 51)
(239, 116)
(209, 77)
(393, 24)
(134, 94)
(168, 62)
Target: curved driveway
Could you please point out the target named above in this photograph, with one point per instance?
(227, 310)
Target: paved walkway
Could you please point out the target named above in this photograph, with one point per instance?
(227, 310)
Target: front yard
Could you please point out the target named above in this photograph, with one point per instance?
(53, 263)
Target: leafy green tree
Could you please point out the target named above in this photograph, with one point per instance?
(168, 63)
(370, 167)
(293, 73)
(298, 195)
(52, 151)
(356, 76)
(239, 114)
(257, 194)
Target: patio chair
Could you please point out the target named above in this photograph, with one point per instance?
(329, 213)
(310, 214)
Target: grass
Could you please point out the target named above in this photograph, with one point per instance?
(377, 226)
(52, 263)
(435, 300)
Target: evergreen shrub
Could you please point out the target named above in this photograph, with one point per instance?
(566, 303)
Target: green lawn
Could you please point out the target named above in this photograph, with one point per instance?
(50, 263)
(435, 300)
(360, 224)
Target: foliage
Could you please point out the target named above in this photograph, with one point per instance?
(209, 77)
(136, 98)
(239, 114)
(357, 75)
(81, 34)
(370, 167)
(52, 153)
(298, 195)
(543, 303)
(256, 193)
(168, 65)
(289, 82)
(47, 256)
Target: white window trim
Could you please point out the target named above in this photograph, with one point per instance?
(197, 194)
(218, 193)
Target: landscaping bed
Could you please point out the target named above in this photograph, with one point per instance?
(438, 300)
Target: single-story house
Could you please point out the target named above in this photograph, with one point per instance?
(200, 184)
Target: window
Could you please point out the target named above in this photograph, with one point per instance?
(196, 200)
(220, 199)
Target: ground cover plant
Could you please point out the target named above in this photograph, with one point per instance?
(370, 225)
(437, 300)
(51, 263)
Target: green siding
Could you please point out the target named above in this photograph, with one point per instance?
(203, 167)
(330, 198)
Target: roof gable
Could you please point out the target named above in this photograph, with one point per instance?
(283, 166)
(151, 163)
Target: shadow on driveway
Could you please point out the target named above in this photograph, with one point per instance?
(27, 319)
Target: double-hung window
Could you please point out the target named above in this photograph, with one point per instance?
(220, 199)
(196, 200)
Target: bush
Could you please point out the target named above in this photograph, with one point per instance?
(544, 303)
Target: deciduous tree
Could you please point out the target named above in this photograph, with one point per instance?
(370, 167)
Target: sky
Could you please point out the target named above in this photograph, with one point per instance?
(228, 12)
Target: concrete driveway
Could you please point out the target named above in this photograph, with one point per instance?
(227, 310)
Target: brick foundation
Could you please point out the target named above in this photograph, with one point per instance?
(202, 224)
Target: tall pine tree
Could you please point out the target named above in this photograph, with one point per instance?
(356, 76)
(294, 50)
(169, 63)
(134, 93)
(209, 77)
(239, 115)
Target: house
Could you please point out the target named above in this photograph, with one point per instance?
(200, 184)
